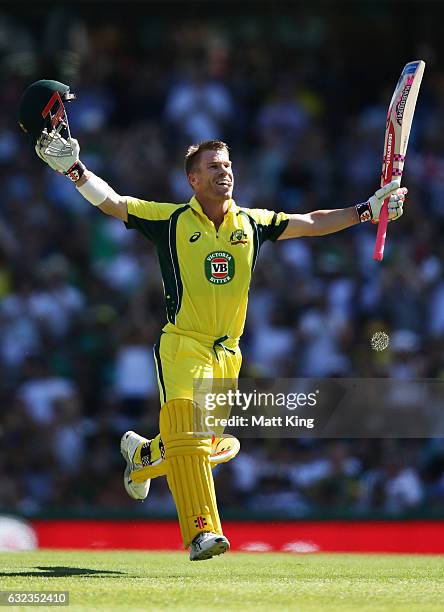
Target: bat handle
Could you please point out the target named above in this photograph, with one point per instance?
(378, 253)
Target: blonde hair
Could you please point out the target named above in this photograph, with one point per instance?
(193, 152)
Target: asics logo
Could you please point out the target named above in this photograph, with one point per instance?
(195, 236)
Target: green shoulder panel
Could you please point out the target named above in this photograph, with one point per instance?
(150, 218)
(266, 225)
(158, 223)
(169, 265)
(270, 223)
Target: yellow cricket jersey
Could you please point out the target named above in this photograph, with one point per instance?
(206, 274)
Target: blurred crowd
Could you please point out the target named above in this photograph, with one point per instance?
(81, 300)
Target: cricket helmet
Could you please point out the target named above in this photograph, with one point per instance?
(42, 109)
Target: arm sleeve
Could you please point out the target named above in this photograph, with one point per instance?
(149, 218)
(269, 224)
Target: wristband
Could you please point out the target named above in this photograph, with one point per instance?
(95, 190)
(76, 171)
(364, 211)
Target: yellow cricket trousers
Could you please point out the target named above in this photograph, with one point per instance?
(180, 360)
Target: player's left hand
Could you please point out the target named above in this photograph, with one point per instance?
(395, 205)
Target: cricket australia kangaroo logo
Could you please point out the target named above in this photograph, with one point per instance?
(238, 237)
(219, 267)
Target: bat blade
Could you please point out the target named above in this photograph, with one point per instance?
(399, 122)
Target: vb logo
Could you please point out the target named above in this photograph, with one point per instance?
(219, 267)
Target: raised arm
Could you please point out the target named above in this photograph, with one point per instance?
(92, 187)
(322, 222)
(114, 204)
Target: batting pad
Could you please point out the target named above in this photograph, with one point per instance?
(189, 474)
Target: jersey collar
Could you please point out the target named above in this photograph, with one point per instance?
(195, 205)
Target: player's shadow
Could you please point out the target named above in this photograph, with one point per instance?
(62, 572)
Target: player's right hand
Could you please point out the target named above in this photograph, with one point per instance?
(395, 205)
(60, 154)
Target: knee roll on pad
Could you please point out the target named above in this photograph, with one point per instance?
(188, 470)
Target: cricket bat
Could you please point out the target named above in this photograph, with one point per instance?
(397, 132)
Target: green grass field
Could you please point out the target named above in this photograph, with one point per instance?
(237, 581)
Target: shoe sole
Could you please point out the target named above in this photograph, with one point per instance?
(126, 476)
(218, 548)
(127, 472)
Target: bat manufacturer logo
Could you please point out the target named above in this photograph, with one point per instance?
(388, 157)
(389, 145)
(402, 102)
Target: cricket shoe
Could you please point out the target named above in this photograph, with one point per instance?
(129, 443)
(208, 544)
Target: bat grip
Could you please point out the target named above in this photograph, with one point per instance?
(378, 253)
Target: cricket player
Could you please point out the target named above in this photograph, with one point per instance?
(207, 251)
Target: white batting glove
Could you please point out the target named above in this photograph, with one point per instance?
(370, 210)
(60, 155)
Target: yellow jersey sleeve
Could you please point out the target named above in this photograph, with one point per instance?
(152, 211)
(269, 224)
(150, 218)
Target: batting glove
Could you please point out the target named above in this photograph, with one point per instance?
(60, 155)
(370, 210)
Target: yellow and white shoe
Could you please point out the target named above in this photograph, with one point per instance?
(129, 444)
(208, 544)
(224, 449)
